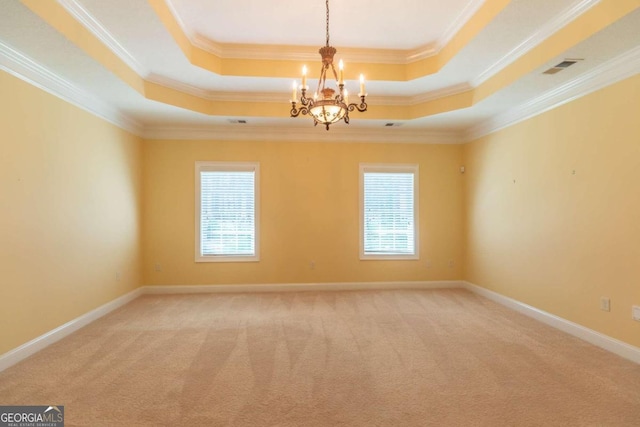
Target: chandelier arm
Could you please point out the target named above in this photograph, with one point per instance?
(295, 112)
(362, 107)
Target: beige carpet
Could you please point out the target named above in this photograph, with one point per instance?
(370, 358)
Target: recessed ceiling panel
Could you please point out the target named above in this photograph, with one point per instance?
(401, 24)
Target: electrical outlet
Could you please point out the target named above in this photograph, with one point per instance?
(451, 263)
(636, 312)
(157, 267)
(427, 263)
(117, 276)
(605, 304)
(312, 265)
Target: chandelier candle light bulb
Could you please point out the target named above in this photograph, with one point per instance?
(328, 105)
(304, 76)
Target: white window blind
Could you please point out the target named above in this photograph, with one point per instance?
(389, 212)
(227, 212)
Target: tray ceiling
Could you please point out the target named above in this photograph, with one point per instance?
(441, 71)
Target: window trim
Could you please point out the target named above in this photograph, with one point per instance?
(391, 168)
(203, 166)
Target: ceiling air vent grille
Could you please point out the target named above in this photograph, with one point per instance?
(392, 124)
(561, 66)
(238, 121)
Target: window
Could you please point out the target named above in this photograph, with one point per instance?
(388, 211)
(227, 211)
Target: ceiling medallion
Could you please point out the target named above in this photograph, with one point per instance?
(326, 107)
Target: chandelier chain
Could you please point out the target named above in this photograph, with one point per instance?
(327, 3)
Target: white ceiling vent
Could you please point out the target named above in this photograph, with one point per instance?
(392, 124)
(562, 66)
(238, 121)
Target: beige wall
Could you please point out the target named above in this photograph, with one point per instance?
(69, 212)
(309, 212)
(553, 239)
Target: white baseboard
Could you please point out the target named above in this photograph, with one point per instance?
(613, 345)
(25, 350)
(300, 287)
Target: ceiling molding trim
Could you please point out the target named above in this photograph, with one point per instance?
(181, 24)
(216, 95)
(547, 30)
(440, 93)
(305, 53)
(421, 98)
(198, 40)
(83, 16)
(467, 13)
(306, 134)
(435, 48)
(178, 85)
(408, 56)
(388, 100)
(26, 69)
(249, 97)
(608, 73)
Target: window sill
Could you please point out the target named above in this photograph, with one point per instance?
(388, 257)
(223, 258)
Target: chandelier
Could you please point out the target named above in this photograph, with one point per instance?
(326, 107)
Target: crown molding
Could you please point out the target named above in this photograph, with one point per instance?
(179, 21)
(307, 53)
(249, 51)
(85, 18)
(440, 93)
(302, 134)
(421, 98)
(547, 30)
(467, 13)
(216, 95)
(178, 85)
(24, 68)
(608, 73)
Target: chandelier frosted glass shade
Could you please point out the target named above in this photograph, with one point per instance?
(328, 113)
